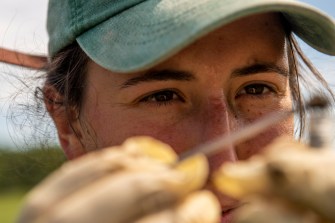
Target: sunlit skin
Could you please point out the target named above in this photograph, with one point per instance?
(222, 82)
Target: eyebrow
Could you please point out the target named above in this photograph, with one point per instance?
(160, 75)
(260, 68)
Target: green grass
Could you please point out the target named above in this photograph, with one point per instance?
(10, 204)
(23, 169)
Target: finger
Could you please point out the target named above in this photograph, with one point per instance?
(150, 188)
(122, 197)
(261, 210)
(164, 216)
(197, 207)
(69, 178)
(309, 184)
(81, 172)
(290, 171)
(151, 148)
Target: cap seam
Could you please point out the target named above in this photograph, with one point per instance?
(76, 12)
(73, 24)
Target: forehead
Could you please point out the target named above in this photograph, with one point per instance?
(259, 22)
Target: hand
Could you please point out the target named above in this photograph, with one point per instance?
(136, 182)
(289, 183)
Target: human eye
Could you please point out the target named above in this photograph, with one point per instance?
(162, 97)
(255, 90)
(258, 97)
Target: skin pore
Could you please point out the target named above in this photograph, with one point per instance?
(225, 80)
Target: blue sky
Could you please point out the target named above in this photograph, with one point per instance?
(326, 5)
(22, 26)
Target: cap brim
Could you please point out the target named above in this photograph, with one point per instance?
(152, 31)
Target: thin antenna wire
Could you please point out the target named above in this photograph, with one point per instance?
(249, 131)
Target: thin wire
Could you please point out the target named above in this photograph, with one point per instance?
(252, 130)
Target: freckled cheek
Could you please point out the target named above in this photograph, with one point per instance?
(251, 110)
(179, 136)
(115, 132)
(257, 145)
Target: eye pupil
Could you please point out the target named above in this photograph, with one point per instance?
(163, 96)
(254, 89)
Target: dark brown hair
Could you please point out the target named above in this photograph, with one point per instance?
(67, 74)
(303, 76)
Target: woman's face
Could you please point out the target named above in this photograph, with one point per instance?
(219, 84)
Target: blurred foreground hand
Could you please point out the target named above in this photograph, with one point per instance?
(140, 182)
(136, 182)
(290, 183)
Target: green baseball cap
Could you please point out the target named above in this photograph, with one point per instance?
(133, 35)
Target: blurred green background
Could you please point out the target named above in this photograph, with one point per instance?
(19, 172)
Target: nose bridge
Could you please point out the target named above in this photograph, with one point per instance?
(216, 117)
(217, 122)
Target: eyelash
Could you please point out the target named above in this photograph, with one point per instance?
(174, 96)
(265, 87)
(171, 93)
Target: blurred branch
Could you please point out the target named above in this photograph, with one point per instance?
(23, 59)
